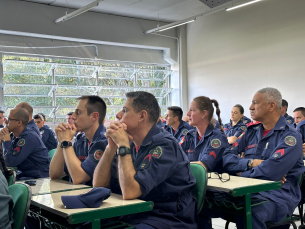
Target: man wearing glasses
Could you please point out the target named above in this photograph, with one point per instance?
(272, 151)
(25, 150)
(79, 161)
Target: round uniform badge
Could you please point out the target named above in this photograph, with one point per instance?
(216, 143)
(243, 128)
(156, 152)
(245, 121)
(21, 142)
(184, 132)
(98, 155)
(41, 132)
(288, 121)
(290, 140)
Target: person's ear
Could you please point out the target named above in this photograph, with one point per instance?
(143, 115)
(95, 116)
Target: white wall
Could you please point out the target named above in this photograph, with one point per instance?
(232, 54)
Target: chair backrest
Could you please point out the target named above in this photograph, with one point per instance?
(199, 190)
(11, 180)
(51, 153)
(21, 194)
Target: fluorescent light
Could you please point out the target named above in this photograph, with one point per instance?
(79, 11)
(171, 25)
(175, 25)
(241, 5)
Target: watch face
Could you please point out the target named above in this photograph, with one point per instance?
(65, 144)
(122, 150)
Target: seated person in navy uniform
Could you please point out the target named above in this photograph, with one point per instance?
(25, 150)
(47, 134)
(205, 144)
(79, 161)
(6, 202)
(152, 167)
(174, 123)
(298, 115)
(272, 151)
(31, 126)
(288, 118)
(301, 129)
(236, 126)
(2, 118)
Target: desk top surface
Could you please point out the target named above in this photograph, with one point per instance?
(113, 206)
(46, 185)
(242, 185)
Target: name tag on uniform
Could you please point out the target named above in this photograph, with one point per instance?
(81, 157)
(190, 151)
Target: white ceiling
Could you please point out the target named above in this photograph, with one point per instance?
(164, 10)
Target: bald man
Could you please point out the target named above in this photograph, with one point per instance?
(25, 150)
(31, 126)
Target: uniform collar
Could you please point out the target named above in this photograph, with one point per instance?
(285, 115)
(31, 122)
(301, 123)
(149, 137)
(209, 130)
(100, 130)
(281, 123)
(239, 122)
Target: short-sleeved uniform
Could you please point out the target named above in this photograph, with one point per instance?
(28, 154)
(164, 175)
(48, 137)
(181, 131)
(236, 130)
(281, 150)
(289, 119)
(208, 150)
(246, 120)
(6, 203)
(160, 124)
(31, 126)
(301, 129)
(89, 153)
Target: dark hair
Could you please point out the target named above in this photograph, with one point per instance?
(302, 109)
(240, 108)
(143, 100)
(95, 104)
(177, 111)
(22, 115)
(2, 112)
(43, 115)
(205, 103)
(37, 116)
(70, 113)
(284, 103)
(7, 173)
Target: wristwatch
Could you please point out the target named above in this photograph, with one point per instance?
(249, 164)
(122, 151)
(65, 144)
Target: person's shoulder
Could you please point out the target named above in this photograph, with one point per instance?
(301, 124)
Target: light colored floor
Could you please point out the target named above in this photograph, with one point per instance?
(220, 223)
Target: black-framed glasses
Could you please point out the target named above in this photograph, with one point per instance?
(223, 177)
(11, 119)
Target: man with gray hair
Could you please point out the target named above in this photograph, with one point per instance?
(273, 151)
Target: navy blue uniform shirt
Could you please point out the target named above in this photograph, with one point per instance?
(236, 130)
(281, 150)
(289, 119)
(48, 137)
(164, 175)
(90, 153)
(208, 150)
(28, 154)
(246, 120)
(181, 131)
(301, 129)
(160, 124)
(31, 126)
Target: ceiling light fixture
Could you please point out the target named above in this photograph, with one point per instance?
(79, 11)
(241, 5)
(170, 26)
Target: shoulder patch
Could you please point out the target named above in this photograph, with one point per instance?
(145, 161)
(216, 143)
(289, 121)
(243, 128)
(16, 150)
(98, 154)
(245, 121)
(21, 142)
(156, 152)
(184, 132)
(279, 153)
(290, 140)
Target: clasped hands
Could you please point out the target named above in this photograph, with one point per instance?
(65, 131)
(117, 135)
(5, 134)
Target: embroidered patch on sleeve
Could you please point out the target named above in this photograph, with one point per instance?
(216, 143)
(145, 161)
(16, 151)
(156, 152)
(213, 154)
(243, 128)
(290, 140)
(279, 153)
(21, 142)
(289, 121)
(184, 132)
(98, 154)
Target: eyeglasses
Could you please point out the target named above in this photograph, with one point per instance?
(223, 177)
(10, 119)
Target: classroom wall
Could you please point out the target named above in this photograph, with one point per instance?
(232, 54)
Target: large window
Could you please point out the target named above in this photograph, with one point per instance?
(51, 86)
